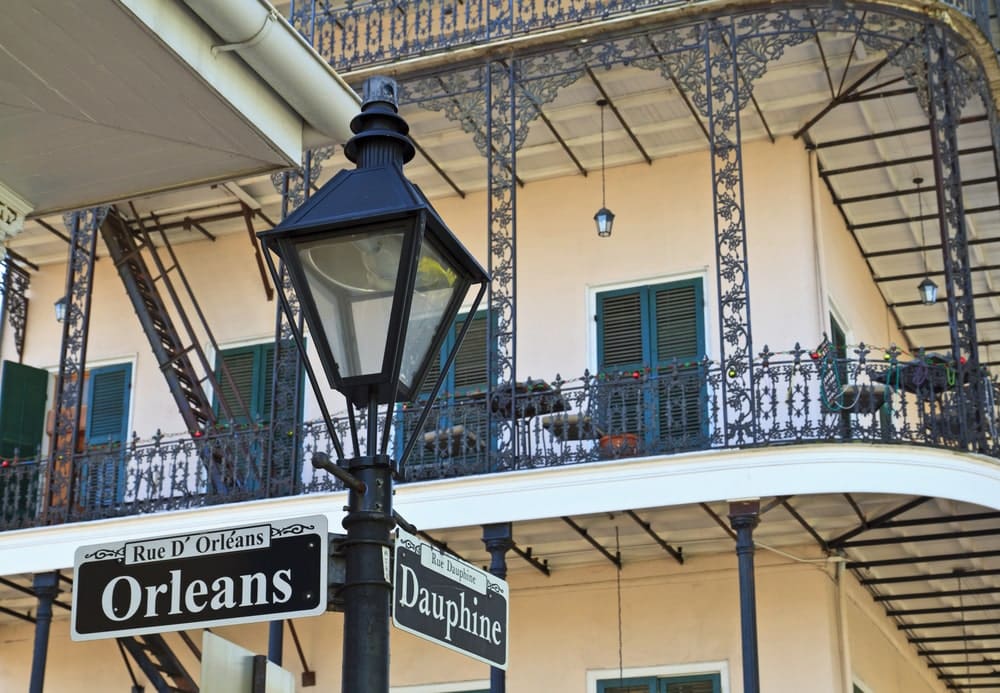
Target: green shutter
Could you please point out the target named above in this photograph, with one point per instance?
(645, 684)
(107, 404)
(433, 371)
(652, 327)
(251, 370)
(266, 393)
(678, 327)
(22, 409)
(469, 370)
(704, 683)
(236, 390)
(470, 367)
(620, 331)
(700, 686)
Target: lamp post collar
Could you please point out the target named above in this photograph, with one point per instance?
(381, 134)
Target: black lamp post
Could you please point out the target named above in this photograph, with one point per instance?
(380, 279)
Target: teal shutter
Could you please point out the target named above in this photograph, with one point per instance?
(236, 390)
(692, 684)
(109, 391)
(657, 328)
(677, 320)
(621, 331)
(679, 347)
(703, 683)
(645, 684)
(469, 372)
(102, 474)
(266, 377)
(23, 392)
(251, 370)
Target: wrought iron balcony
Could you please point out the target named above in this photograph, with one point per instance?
(364, 33)
(799, 397)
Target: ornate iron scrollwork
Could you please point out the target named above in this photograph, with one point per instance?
(60, 494)
(15, 302)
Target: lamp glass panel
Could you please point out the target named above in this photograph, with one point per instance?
(435, 289)
(605, 219)
(352, 280)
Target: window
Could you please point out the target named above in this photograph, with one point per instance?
(22, 410)
(455, 433)
(469, 371)
(108, 394)
(22, 422)
(248, 395)
(656, 330)
(704, 683)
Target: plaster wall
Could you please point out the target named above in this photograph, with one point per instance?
(882, 660)
(664, 231)
(565, 625)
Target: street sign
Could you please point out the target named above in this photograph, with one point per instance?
(448, 601)
(218, 577)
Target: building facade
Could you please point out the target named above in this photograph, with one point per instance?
(614, 407)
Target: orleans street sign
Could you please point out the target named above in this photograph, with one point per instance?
(442, 599)
(217, 577)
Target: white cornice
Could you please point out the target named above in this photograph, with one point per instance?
(572, 490)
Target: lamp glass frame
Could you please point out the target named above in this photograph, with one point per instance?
(928, 291)
(382, 384)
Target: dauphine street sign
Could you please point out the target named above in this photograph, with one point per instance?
(448, 601)
(217, 577)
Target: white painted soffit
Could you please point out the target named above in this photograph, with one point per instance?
(573, 490)
(115, 100)
(260, 35)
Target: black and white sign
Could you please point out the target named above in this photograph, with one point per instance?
(217, 577)
(450, 602)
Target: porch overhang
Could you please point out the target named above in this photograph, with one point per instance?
(548, 494)
(107, 101)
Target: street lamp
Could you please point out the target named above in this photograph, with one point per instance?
(380, 279)
(60, 307)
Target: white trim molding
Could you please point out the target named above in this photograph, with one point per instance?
(459, 687)
(581, 489)
(663, 671)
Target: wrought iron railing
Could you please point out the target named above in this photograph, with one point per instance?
(352, 34)
(799, 397)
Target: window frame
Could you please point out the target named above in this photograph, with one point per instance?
(475, 686)
(670, 671)
(648, 415)
(707, 316)
(647, 296)
(658, 684)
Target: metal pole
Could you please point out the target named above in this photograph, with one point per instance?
(368, 588)
(46, 586)
(498, 539)
(275, 641)
(744, 516)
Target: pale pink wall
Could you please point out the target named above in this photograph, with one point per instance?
(664, 230)
(560, 627)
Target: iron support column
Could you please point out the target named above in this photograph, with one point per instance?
(275, 641)
(367, 588)
(501, 171)
(498, 539)
(744, 516)
(59, 498)
(725, 92)
(46, 586)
